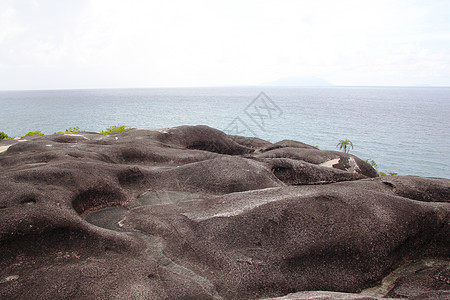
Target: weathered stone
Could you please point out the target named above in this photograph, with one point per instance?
(190, 212)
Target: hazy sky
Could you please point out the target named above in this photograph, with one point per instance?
(53, 44)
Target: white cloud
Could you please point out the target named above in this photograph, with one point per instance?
(8, 23)
(112, 43)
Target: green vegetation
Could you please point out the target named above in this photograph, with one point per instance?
(372, 163)
(345, 145)
(115, 129)
(75, 129)
(375, 166)
(4, 136)
(388, 173)
(34, 133)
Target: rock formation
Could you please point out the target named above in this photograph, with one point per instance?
(193, 213)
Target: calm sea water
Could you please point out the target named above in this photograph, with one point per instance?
(405, 130)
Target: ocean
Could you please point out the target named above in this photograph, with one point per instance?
(403, 129)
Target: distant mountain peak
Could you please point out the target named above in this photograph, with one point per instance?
(299, 81)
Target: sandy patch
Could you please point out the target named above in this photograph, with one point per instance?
(354, 166)
(351, 161)
(152, 129)
(330, 163)
(74, 134)
(4, 148)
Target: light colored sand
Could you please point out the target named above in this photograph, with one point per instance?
(4, 148)
(164, 130)
(74, 134)
(330, 163)
(353, 165)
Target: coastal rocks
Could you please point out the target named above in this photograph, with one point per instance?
(222, 175)
(296, 172)
(330, 159)
(319, 295)
(418, 188)
(426, 283)
(190, 212)
(341, 237)
(201, 138)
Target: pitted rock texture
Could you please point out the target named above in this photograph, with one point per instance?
(193, 213)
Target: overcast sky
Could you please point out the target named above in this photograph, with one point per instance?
(55, 44)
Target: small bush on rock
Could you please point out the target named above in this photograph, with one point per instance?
(115, 129)
(3, 136)
(375, 166)
(75, 129)
(372, 163)
(387, 173)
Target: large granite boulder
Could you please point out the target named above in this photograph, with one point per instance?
(192, 213)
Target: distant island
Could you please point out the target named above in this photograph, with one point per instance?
(299, 81)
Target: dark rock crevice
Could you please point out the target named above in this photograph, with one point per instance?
(97, 198)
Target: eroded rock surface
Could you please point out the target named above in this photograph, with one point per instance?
(192, 213)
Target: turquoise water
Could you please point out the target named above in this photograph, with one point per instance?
(405, 130)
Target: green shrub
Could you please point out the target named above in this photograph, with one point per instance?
(115, 129)
(375, 166)
(372, 163)
(34, 133)
(75, 129)
(387, 173)
(4, 136)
